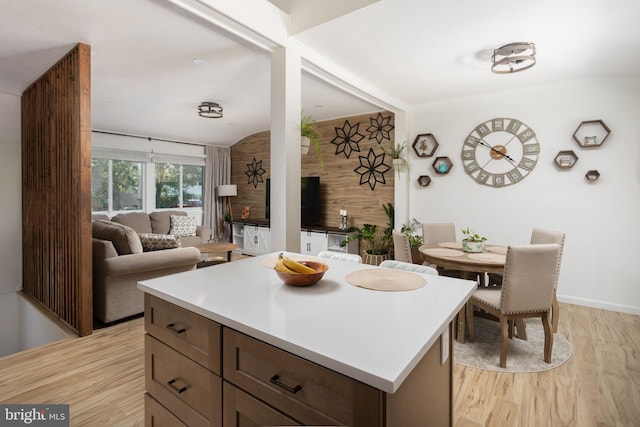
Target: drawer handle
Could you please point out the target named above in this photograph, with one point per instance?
(276, 380)
(178, 389)
(172, 328)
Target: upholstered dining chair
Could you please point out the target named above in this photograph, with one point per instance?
(341, 256)
(540, 236)
(434, 233)
(530, 273)
(408, 266)
(401, 247)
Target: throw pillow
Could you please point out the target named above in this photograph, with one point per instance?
(156, 242)
(161, 220)
(125, 240)
(183, 225)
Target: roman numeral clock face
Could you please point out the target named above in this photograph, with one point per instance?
(500, 152)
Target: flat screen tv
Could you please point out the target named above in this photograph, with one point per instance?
(309, 200)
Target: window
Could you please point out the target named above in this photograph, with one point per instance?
(99, 185)
(116, 185)
(130, 180)
(178, 186)
(126, 180)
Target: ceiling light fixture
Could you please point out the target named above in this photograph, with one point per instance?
(513, 57)
(211, 110)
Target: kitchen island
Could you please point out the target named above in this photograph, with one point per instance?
(264, 353)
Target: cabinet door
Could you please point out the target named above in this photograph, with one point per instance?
(312, 243)
(250, 239)
(238, 236)
(242, 410)
(264, 240)
(156, 415)
(189, 391)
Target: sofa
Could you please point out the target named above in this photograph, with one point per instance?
(121, 259)
(159, 222)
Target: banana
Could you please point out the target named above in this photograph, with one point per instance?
(281, 267)
(295, 265)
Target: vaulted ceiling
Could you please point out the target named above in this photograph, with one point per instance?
(145, 80)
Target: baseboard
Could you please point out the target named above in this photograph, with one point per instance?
(600, 304)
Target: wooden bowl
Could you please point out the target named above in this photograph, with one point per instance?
(299, 279)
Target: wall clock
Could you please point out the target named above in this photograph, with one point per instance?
(500, 152)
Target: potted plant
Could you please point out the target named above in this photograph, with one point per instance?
(377, 244)
(415, 240)
(396, 152)
(309, 134)
(472, 241)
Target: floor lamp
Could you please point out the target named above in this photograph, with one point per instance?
(227, 191)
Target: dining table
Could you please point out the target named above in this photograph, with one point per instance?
(451, 255)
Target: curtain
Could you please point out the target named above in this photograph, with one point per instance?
(217, 172)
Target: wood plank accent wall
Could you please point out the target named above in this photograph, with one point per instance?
(56, 190)
(339, 183)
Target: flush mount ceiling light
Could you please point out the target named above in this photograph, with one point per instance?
(513, 57)
(211, 110)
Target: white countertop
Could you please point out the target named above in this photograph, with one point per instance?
(375, 337)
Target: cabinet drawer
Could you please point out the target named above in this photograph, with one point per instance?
(189, 391)
(242, 410)
(303, 390)
(191, 334)
(156, 415)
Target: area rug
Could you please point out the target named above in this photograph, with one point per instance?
(523, 356)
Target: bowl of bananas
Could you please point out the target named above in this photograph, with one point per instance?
(299, 273)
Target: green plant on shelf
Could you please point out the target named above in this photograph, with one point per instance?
(309, 129)
(396, 152)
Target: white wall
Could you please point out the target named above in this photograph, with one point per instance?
(601, 219)
(11, 204)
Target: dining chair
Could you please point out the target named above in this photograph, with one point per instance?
(341, 256)
(434, 233)
(407, 266)
(530, 272)
(401, 247)
(540, 236)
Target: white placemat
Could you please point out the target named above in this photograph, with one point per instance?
(443, 252)
(385, 279)
(451, 245)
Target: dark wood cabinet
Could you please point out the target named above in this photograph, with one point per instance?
(200, 373)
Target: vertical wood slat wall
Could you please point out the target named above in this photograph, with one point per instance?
(56, 190)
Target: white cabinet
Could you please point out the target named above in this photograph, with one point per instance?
(238, 235)
(252, 239)
(335, 238)
(312, 242)
(257, 239)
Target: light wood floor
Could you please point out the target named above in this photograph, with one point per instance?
(102, 378)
